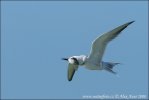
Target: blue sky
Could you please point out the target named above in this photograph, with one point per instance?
(36, 35)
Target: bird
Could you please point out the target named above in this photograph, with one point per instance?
(94, 60)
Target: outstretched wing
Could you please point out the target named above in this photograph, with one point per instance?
(71, 70)
(99, 44)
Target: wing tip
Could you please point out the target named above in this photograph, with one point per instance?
(69, 80)
(130, 22)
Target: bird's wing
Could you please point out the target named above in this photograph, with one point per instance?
(71, 70)
(99, 44)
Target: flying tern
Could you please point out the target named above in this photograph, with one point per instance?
(94, 60)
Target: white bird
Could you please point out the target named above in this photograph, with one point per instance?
(94, 60)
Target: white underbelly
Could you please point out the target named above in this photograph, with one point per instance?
(91, 66)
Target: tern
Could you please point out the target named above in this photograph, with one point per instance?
(94, 60)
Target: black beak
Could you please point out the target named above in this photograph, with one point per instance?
(65, 59)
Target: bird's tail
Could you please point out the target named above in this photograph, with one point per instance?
(108, 66)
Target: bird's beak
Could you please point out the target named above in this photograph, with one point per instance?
(65, 59)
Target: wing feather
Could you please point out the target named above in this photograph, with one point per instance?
(71, 71)
(100, 43)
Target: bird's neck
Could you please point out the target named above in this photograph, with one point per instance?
(82, 60)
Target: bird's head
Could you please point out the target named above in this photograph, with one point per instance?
(71, 60)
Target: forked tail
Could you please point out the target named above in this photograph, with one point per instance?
(108, 66)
